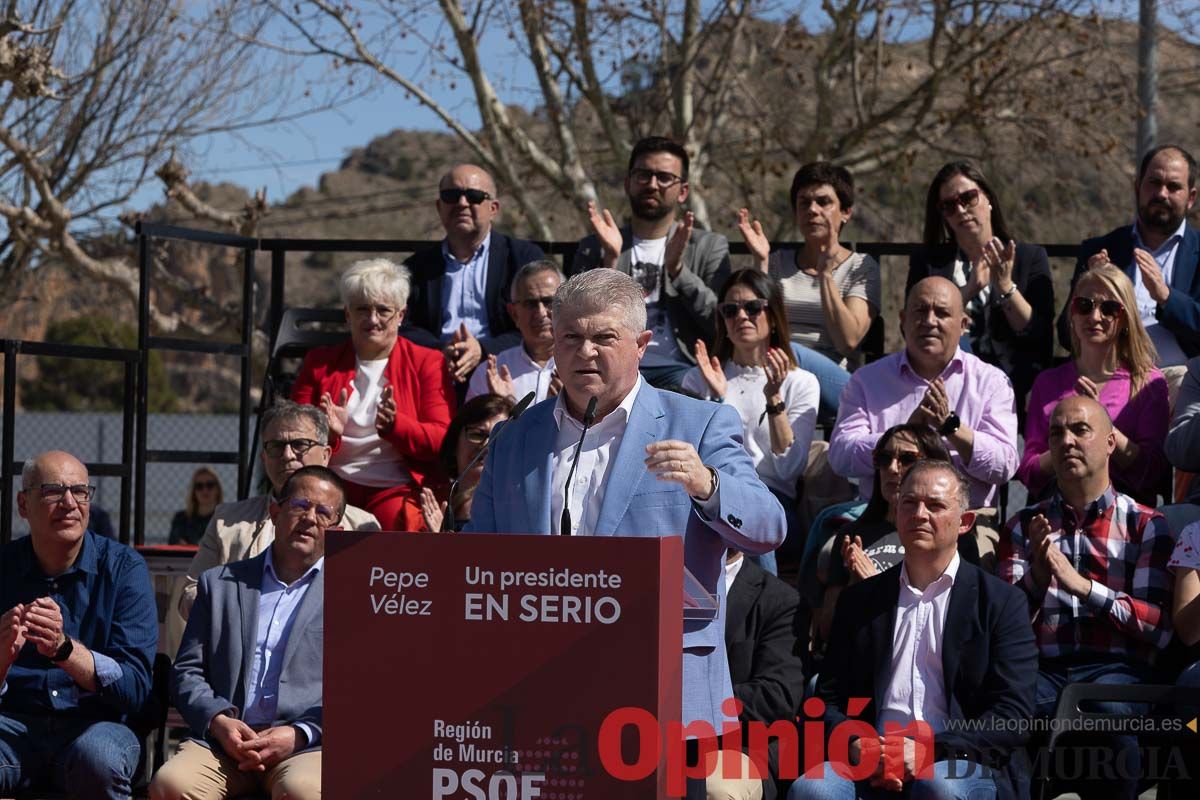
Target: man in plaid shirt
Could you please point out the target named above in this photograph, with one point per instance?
(1094, 565)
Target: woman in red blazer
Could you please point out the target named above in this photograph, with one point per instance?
(388, 400)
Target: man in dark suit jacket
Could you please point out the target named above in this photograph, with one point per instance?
(1160, 253)
(937, 641)
(248, 675)
(460, 286)
(760, 640)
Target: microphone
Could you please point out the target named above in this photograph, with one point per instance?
(448, 520)
(564, 523)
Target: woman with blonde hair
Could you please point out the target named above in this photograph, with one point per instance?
(1112, 362)
(204, 495)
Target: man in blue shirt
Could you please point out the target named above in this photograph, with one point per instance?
(248, 675)
(77, 641)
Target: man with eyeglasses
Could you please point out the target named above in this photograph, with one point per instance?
(77, 639)
(529, 366)
(248, 675)
(294, 435)
(1160, 253)
(679, 268)
(1093, 563)
(459, 287)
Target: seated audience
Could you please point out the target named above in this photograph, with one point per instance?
(528, 366)
(932, 382)
(1093, 563)
(1159, 253)
(387, 401)
(248, 679)
(933, 640)
(293, 436)
(677, 267)
(77, 638)
(761, 643)
(753, 369)
(831, 293)
(467, 435)
(1183, 448)
(870, 544)
(204, 495)
(459, 286)
(1006, 287)
(1185, 612)
(1112, 362)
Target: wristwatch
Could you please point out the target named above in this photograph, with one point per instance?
(1002, 300)
(63, 652)
(778, 408)
(951, 425)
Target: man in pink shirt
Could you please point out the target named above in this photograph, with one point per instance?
(931, 382)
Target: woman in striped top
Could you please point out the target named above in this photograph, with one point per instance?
(830, 293)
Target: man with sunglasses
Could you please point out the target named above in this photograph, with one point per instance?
(77, 639)
(248, 675)
(1160, 253)
(294, 435)
(459, 287)
(529, 366)
(679, 268)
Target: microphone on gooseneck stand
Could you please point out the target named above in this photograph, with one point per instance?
(448, 521)
(564, 523)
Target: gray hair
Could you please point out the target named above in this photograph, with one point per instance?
(599, 290)
(962, 492)
(27, 470)
(531, 269)
(290, 411)
(376, 280)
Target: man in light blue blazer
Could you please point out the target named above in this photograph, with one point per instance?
(248, 675)
(653, 463)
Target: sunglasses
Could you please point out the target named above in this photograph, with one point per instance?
(752, 308)
(965, 200)
(642, 177)
(275, 447)
(206, 485)
(476, 435)
(1109, 309)
(906, 459)
(474, 196)
(53, 493)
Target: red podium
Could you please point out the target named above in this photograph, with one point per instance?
(481, 667)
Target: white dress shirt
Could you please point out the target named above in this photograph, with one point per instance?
(917, 689)
(600, 448)
(527, 375)
(1170, 354)
(365, 457)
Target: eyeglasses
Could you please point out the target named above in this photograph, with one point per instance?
(206, 485)
(1109, 309)
(884, 459)
(53, 493)
(275, 447)
(642, 177)
(965, 200)
(384, 313)
(300, 506)
(474, 196)
(476, 435)
(532, 303)
(752, 308)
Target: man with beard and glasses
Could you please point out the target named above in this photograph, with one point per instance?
(678, 267)
(1159, 252)
(460, 285)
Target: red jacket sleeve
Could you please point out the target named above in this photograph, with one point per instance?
(424, 403)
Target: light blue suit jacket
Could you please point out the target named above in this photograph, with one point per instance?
(514, 497)
(213, 665)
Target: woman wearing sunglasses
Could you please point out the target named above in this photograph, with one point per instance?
(467, 435)
(753, 369)
(1006, 287)
(870, 544)
(1112, 362)
(388, 401)
(830, 292)
(204, 495)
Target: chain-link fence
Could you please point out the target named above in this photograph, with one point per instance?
(96, 437)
